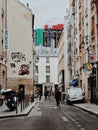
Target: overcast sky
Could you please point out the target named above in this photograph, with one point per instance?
(47, 11)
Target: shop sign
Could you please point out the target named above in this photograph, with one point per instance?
(92, 57)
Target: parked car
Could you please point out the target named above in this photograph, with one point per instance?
(74, 94)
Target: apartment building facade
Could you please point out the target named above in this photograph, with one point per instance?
(61, 62)
(46, 69)
(52, 32)
(65, 54)
(85, 46)
(20, 49)
(38, 37)
(44, 36)
(3, 42)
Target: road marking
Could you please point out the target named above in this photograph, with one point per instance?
(65, 119)
(82, 129)
(77, 123)
(69, 117)
(54, 107)
(38, 109)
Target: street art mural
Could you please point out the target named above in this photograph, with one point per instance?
(24, 69)
(18, 57)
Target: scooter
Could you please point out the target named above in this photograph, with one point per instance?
(10, 98)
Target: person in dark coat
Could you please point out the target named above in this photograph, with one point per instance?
(46, 94)
(57, 97)
(39, 93)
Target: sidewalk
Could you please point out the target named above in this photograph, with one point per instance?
(92, 108)
(5, 113)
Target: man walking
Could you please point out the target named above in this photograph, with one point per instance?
(57, 97)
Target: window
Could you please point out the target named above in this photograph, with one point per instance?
(47, 69)
(3, 73)
(47, 78)
(86, 29)
(36, 69)
(36, 78)
(47, 59)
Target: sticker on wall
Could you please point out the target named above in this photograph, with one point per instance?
(24, 69)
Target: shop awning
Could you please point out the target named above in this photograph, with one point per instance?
(74, 82)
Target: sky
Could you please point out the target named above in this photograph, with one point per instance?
(47, 11)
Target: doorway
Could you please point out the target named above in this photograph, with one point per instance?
(21, 91)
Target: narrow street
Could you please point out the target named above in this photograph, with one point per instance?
(45, 115)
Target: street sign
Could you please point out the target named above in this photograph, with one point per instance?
(5, 39)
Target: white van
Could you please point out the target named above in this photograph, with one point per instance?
(74, 94)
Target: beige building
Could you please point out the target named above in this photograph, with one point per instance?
(85, 46)
(3, 36)
(68, 50)
(20, 49)
(61, 61)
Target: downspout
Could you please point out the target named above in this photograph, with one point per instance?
(6, 27)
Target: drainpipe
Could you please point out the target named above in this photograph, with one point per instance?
(6, 27)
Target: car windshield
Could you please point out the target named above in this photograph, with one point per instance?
(76, 90)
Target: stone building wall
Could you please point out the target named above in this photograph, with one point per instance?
(14, 83)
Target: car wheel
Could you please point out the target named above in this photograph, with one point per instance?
(83, 100)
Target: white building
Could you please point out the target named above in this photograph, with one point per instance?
(20, 60)
(46, 68)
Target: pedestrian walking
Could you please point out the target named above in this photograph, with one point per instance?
(46, 94)
(58, 97)
(39, 93)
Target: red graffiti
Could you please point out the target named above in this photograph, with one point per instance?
(24, 69)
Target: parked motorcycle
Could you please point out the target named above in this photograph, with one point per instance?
(10, 98)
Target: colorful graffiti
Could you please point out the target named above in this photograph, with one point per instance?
(24, 69)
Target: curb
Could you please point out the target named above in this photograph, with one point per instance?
(24, 113)
(86, 109)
